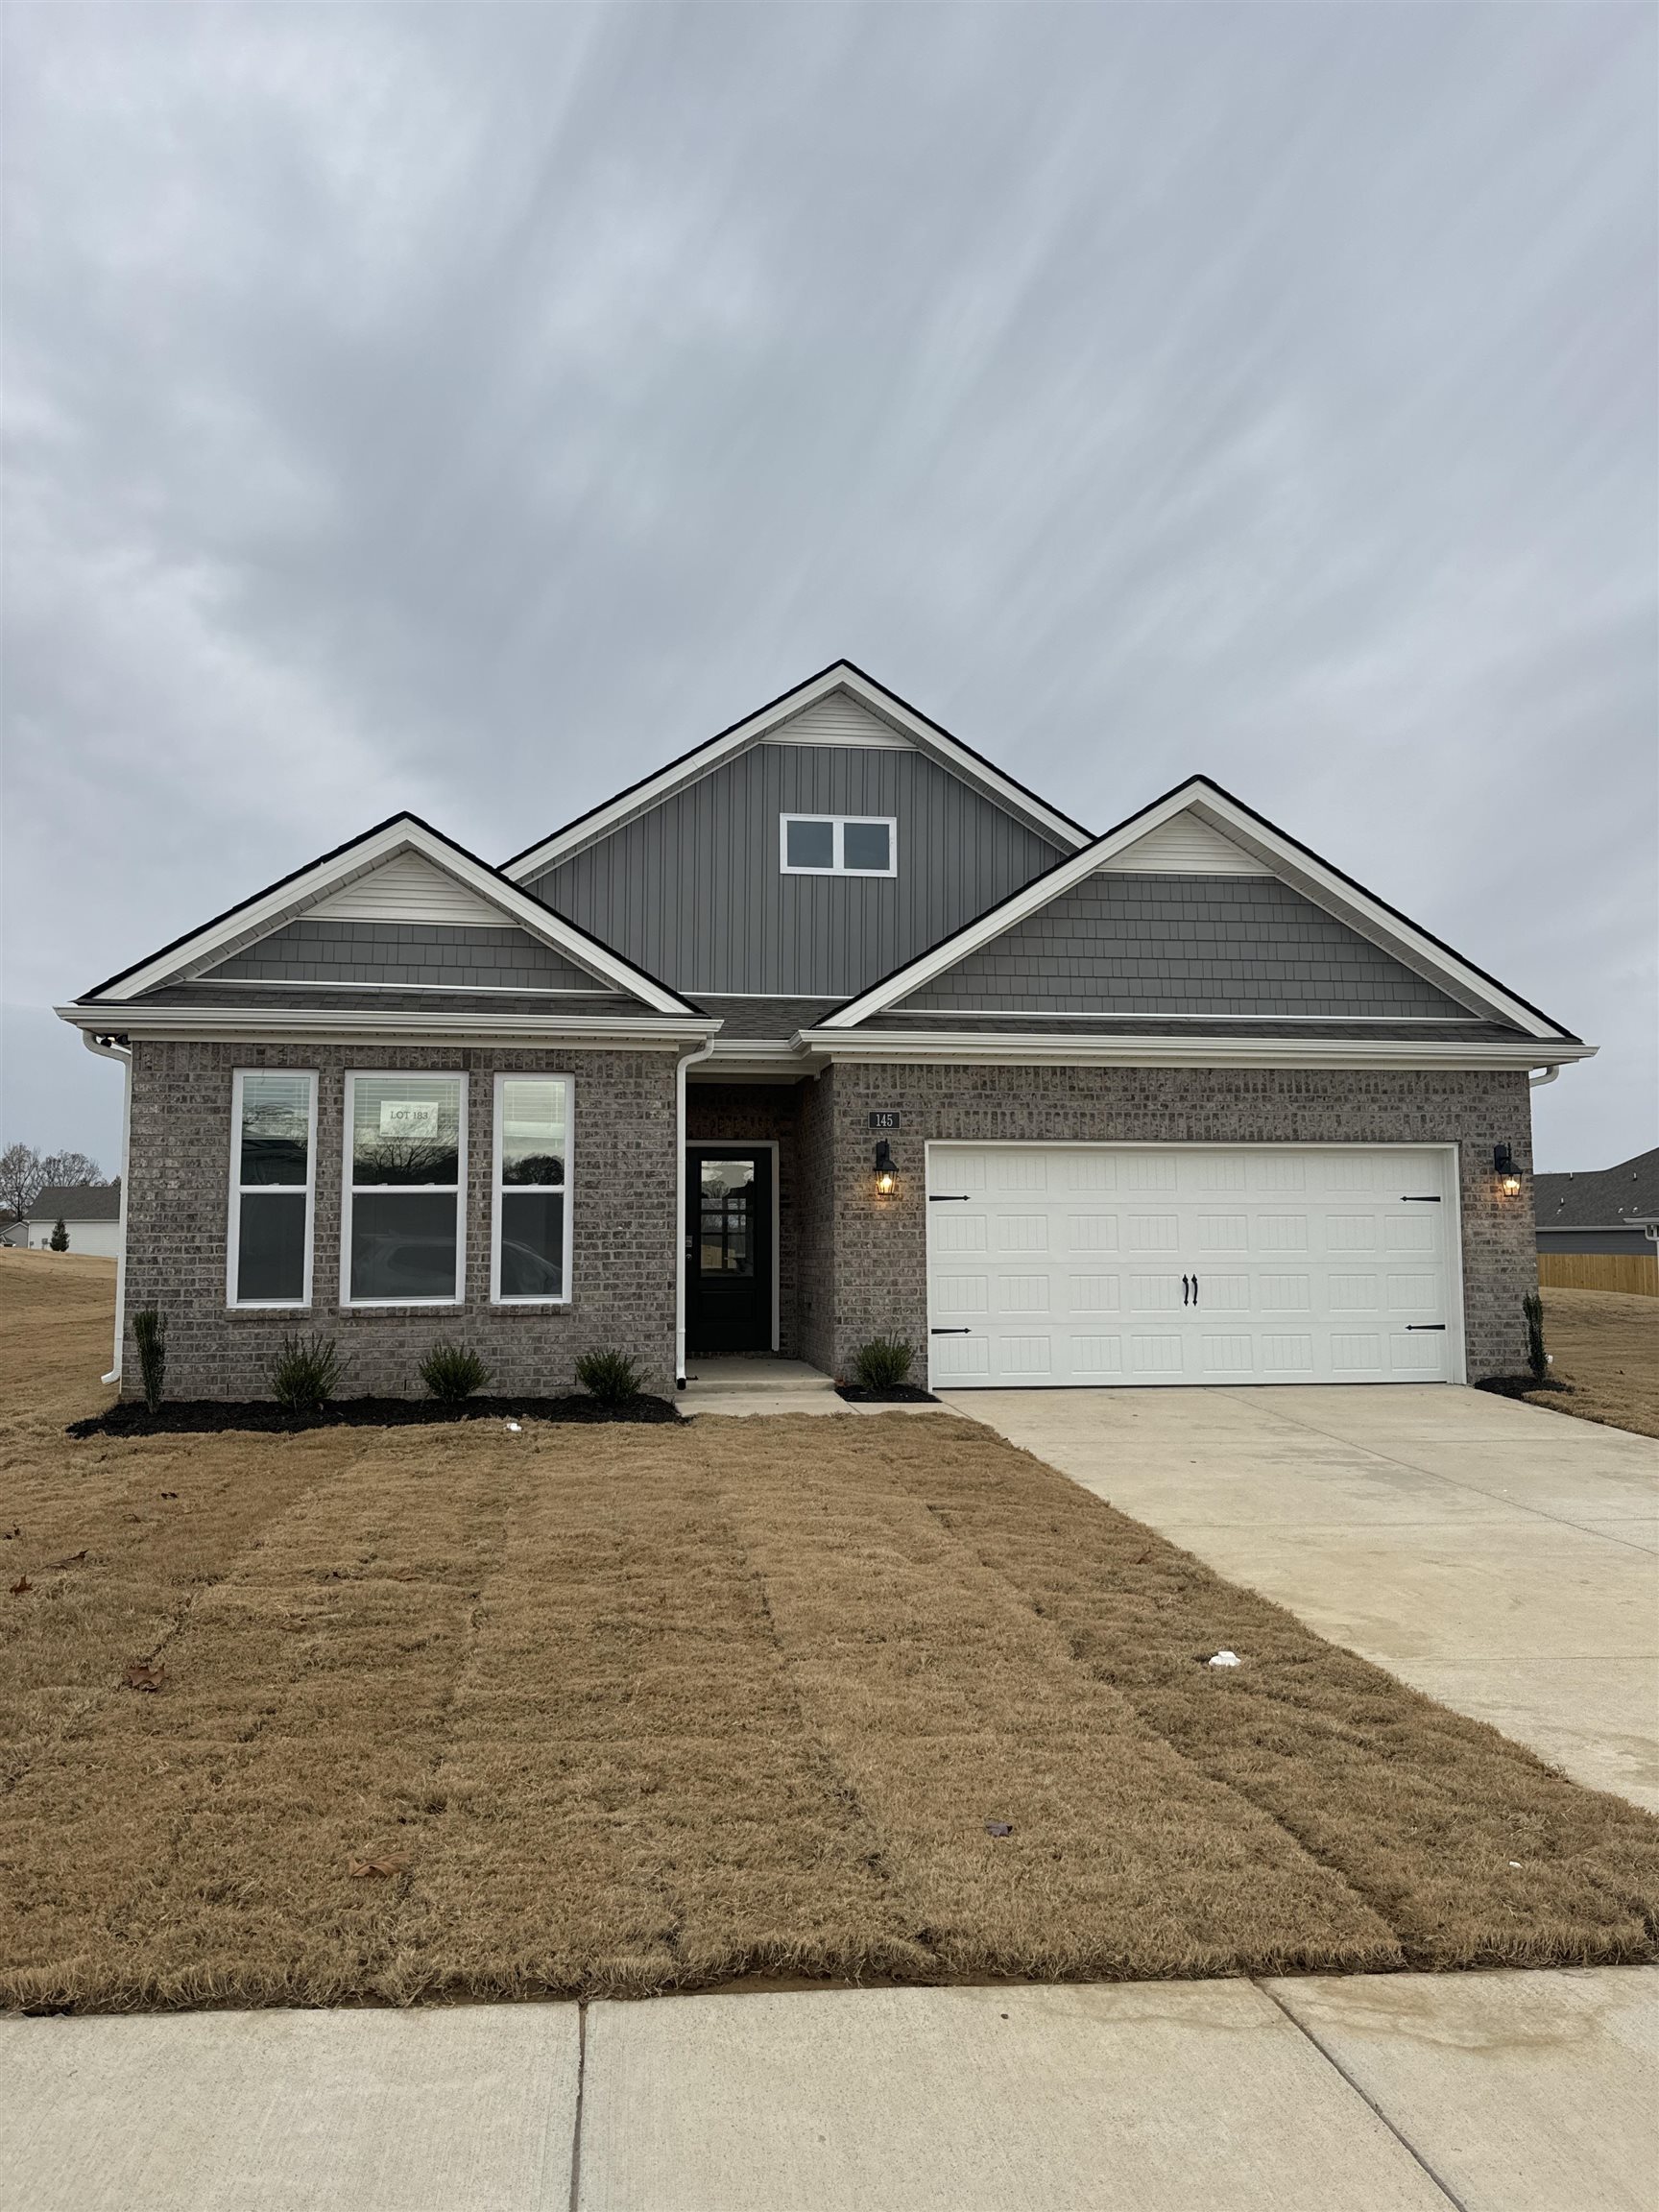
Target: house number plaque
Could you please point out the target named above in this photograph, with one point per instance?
(883, 1120)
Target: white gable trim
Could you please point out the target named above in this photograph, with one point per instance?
(285, 901)
(1186, 846)
(1293, 863)
(407, 888)
(907, 726)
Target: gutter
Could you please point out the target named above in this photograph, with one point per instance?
(196, 1023)
(110, 1047)
(891, 1046)
(687, 1060)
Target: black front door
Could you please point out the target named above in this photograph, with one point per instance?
(727, 1250)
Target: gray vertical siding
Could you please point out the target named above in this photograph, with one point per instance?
(693, 892)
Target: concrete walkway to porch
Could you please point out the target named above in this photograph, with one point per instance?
(754, 1382)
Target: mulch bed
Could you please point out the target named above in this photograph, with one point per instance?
(1522, 1385)
(899, 1394)
(211, 1416)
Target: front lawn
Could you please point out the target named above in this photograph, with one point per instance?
(456, 1712)
(1605, 1345)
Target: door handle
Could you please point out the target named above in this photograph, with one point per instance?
(1195, 1289)
(949, 1331)
(1186, 1289)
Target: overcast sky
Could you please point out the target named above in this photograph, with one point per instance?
(467, 409)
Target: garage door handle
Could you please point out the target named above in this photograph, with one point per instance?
(1186, 1289)
(949, 1331)
(1427, 1326)
(1420, 1198)
(947, 1197)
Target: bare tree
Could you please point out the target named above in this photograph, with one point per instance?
(24, 1173)
(69, 1170)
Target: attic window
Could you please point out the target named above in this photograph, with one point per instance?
(839, 844)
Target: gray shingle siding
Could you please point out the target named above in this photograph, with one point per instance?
(1184, 944)
(692, 890)
(394, 952)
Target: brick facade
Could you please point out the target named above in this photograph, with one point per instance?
(877, 1285)
(852, 1265)
(624, 1231)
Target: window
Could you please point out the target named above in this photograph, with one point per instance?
(401, 1240)
(273, 1146)
(531, 1201)
(840, 845)
(726, 1218)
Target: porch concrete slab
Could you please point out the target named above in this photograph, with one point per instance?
(751, 1405)
(469, 2108)
(1525, 2092)
(1144, 2097)
(1495, 1554)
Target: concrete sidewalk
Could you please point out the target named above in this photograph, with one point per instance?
(1521, 2092)
(1503, 1558)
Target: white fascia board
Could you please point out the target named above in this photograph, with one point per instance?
(890, 1045)
(107, 1017)
(299, 892)
(1289, 862)
(589, 829)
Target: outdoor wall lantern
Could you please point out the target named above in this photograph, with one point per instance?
(887, 1174)
(1504, 1168)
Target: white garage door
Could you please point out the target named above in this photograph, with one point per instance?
(1096, 1265)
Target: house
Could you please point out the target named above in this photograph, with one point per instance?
(831, 1028)
(89, 1212)
(1601, 1230)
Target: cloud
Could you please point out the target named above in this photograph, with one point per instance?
(470, 408)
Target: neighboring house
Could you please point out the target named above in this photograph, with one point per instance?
(1602, 1212)
(830, 1029)
(90, 1212)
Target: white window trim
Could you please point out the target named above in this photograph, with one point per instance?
(838, 825)
(233, 1234)
(537, 1075)
(368, 1305)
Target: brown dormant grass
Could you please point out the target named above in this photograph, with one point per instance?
(627, 1710)
(1606, 1344)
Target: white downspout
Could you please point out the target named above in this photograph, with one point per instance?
(1537, 1082)
(687, 1060)
(107, 1049)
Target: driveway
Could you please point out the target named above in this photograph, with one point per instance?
(1503, 1558)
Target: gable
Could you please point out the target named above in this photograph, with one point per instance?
(1172, 928)
(1231, 945)
(399, 907)
(693, 888)
(841, 706)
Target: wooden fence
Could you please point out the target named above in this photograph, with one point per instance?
(1628, 1271)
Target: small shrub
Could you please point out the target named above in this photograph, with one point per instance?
(883, 1364)
(307, 1372)
(610, 1375)
(1538, 1358)
(451, 1373)
(150, 1335)
(59, 1240)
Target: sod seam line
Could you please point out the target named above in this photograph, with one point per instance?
(1331, 2058)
